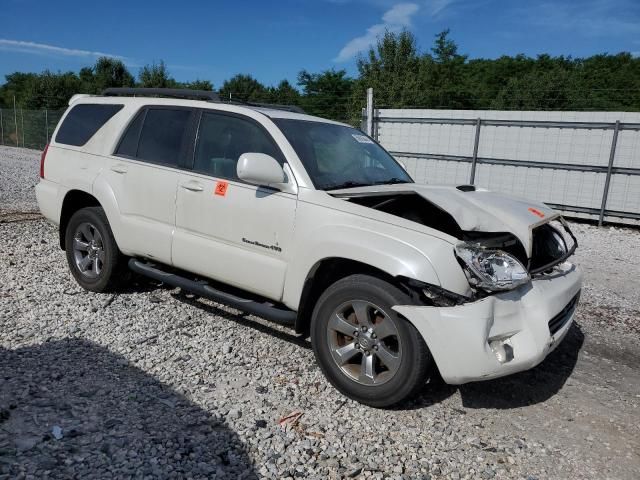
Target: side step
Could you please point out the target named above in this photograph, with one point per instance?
(201, 288)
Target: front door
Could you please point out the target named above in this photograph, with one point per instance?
(227, 229)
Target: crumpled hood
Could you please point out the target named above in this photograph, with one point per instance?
(477, 210)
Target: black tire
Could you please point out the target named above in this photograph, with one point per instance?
(108, 277)
(413, 353)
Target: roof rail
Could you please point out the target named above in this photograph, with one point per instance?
(276, 106)
(163, 92)
(192, 94)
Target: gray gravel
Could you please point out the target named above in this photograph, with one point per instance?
(19, 170)
(152, 383)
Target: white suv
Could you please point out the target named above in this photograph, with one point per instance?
(309, 222)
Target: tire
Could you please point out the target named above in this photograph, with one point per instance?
(92, 253)
(380, 369)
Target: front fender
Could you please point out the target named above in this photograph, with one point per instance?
(382, 251)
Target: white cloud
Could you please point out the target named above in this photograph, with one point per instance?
(394, 20)
(435, 7)
(400, 14)
(44, 49)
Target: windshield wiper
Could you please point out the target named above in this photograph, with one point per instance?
(349, 184)
(391, 181)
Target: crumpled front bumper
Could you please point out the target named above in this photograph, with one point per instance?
(459, 337)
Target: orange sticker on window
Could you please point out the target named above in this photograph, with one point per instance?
(221, 188)
(537, 212)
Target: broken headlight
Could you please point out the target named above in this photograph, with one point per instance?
(491, 269)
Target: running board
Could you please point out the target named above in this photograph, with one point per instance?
(201, 288)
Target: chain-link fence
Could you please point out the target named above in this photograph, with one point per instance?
(27, 128)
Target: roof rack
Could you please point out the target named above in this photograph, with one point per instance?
(276, 106)
(163, 92)
(207, 95)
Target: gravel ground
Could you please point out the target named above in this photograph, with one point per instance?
(152, 383)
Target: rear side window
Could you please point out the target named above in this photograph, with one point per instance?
(129, 143)
(221, 141)
(83, 121)
(156, 135)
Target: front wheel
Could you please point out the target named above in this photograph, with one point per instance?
(367, 350)
(92, 252)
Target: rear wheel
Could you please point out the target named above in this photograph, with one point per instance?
(367, 350)
(92, 253)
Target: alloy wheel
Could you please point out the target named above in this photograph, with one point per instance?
(364, 342)
(88, 250)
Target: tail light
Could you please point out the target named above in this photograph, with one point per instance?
(42, 157)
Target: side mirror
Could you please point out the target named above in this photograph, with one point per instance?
(259, 169)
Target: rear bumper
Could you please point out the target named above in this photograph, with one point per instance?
(518, 324)
(49, 196)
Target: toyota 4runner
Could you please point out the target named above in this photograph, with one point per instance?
(311, 223)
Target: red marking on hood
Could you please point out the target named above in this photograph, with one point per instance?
(537, 212)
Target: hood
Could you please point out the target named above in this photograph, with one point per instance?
(473, 209)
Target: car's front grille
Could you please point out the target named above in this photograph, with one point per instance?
(561, 319)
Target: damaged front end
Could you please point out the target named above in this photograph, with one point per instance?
(523, 293)
(503, 242)
(498, 262)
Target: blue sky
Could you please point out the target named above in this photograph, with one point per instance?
(276, 39)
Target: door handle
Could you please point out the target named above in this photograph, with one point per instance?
(192, 186)
(119, 168)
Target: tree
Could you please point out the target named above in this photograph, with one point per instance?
(110, 72)
(392, 69)
(198, 85)
(326, 94)
(106, 73)
(401, 75)
(445, 50)
(155, 76)
(244, 88)
(284, 94)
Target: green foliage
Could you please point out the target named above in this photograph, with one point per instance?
(155, 76)
(401, 75)
(243, 88)
(199, 85)
(326, 94)
(106, 73)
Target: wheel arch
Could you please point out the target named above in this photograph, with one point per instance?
(73, 201)
(327, 271)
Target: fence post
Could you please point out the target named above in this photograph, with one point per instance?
(46, 125)
(370, 112)
(474, 159)
(612, 155)
(1, 127)
(15, 120)
(22, 123)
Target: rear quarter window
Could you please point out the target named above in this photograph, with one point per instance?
(83, 121)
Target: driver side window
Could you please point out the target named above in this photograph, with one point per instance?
(223, 138)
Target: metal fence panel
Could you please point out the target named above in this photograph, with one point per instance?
(560, 158)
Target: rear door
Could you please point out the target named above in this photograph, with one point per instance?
(143, 174)
(227, 229)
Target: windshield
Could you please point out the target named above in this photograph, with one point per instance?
(336, 156)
